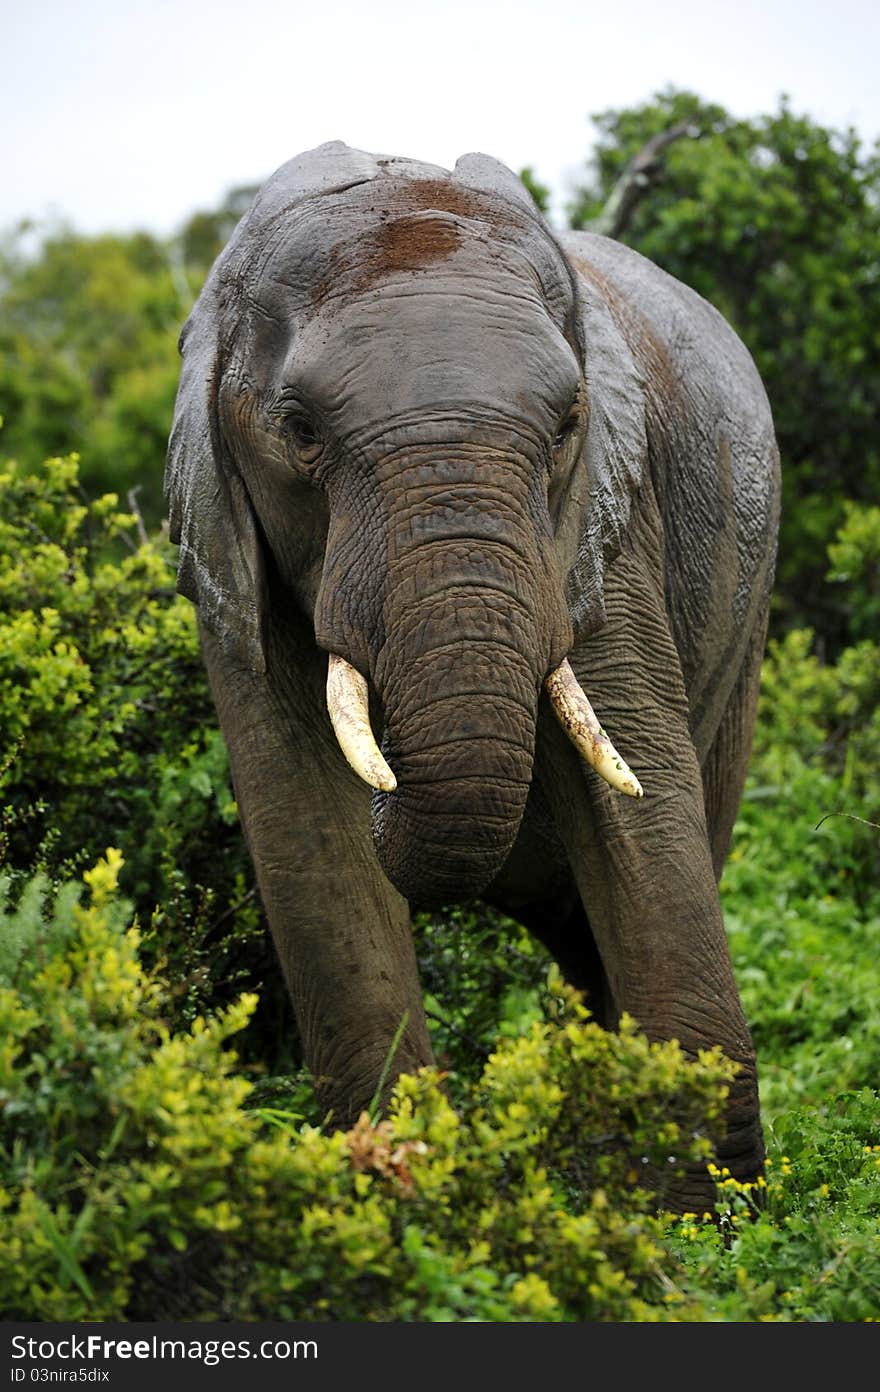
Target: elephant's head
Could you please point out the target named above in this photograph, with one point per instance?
(389, 415)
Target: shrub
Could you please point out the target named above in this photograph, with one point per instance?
(802, 1244)
(819, 724)
(107, 723)
(140, 1181)
(104, 705)
(484, 977)
(801, 888)
(855, 562)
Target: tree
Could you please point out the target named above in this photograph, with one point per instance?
(88, 345)
(776, 220)
(88, 357)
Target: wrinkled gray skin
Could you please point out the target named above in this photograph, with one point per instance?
(415, 430)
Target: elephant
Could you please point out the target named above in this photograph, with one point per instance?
(506, 497)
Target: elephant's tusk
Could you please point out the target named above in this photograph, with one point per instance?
(348, 704)
(578, 720)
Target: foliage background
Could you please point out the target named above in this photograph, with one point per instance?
(146, 1168)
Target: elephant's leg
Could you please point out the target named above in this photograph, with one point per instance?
(644, 868)
(726, 765)
(341, 931)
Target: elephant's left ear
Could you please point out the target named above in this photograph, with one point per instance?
(615, 458)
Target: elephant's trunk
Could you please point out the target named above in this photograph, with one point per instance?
(457, 632)
(460, 696)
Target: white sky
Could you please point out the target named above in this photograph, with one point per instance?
(116, 114)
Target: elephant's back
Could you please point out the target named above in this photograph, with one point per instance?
(712, 457)
(671, 327)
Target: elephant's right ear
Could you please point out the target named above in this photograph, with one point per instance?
(221, 567)
(489, 175)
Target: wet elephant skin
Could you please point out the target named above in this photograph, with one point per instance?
(419, 431)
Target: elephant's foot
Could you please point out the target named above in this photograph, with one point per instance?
(365, 1078)
(697, 1190)
(739, 1155)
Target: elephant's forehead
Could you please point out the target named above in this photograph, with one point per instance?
(334, 248)
(308, 273)
(402, 347)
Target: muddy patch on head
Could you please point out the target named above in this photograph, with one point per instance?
(413, 227)
(445, 195)
(408, 243)
(395, 245)
(412, 243)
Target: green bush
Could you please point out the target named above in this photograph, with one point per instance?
(138, 1183)
(819, 728)
(484, 978)
(855, 562)
(802, 1244)
(801, 888)
(106, 723)
(141, 1178)
(104, 704)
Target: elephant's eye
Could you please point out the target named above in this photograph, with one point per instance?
(304, 437)
(568, 425)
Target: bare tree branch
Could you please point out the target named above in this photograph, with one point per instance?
(234, 908)
(641, 172)
(851, 816)
(139, 521)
